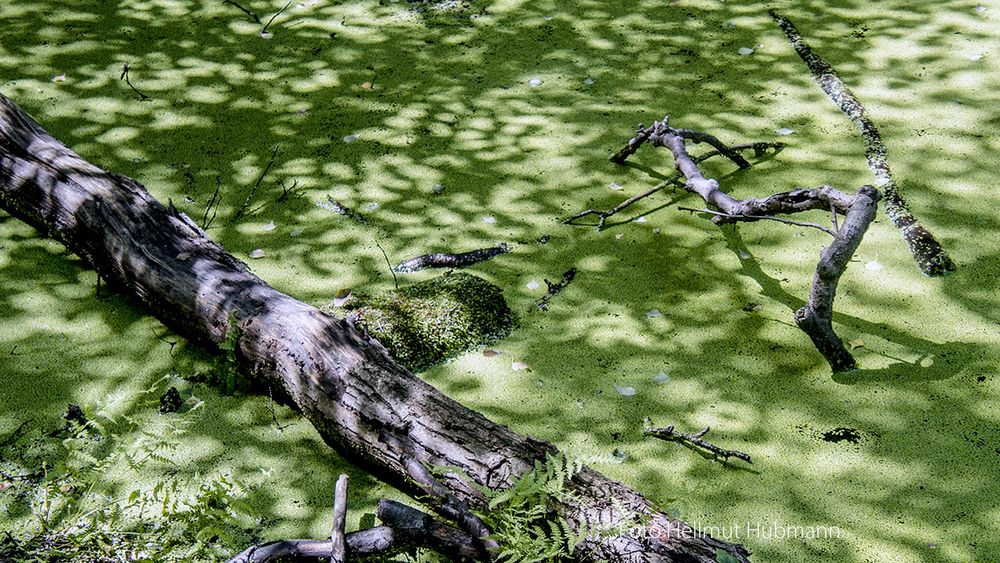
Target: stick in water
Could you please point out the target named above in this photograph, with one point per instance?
(926, 250)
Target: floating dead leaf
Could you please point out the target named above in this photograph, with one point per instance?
(625, 391)
(619, 236)
(59, 78)
(366, 85)
(490, 352)
(258, 253)
(661, 378)
(653, 314)
(855, 343)
(518, 366)
(927, 361)
(5, 485)
(531, 285)
(269, 227)
(295, 233)
(341, 296)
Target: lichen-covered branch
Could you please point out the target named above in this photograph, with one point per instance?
(927, 251)
(448, 260)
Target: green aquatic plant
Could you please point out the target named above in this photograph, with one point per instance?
(68, 484)
(523, 517)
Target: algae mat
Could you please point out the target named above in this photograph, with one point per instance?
(454, 126)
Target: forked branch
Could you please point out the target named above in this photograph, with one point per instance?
(816, 318)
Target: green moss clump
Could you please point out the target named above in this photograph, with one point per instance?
(429, 322)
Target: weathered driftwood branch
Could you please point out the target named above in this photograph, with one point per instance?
(403, 528)
(453, 508)
(338, 544)
(816, 318)
(668, 433)
(358, 398)
(460, 260)
(927, 251)
(759, 150)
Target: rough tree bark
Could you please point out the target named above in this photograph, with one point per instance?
(357, 397)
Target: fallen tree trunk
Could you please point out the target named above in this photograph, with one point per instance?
(357, 397)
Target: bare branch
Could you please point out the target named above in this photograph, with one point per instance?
(446, 260)
(668, 433)
(338, 549)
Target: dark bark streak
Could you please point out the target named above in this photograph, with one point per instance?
(357, 397)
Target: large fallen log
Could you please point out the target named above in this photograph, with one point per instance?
(359, 399)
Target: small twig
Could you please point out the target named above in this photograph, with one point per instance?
(206, 221)
(286, 192)
(164, 340)
(670, 434)
(242, 209)
(554, 288)
(338, 549)
(389, 264)
(725, 150)
(263, 30)
(15, 435)
(253, 15)
(125, 77)
(758, 217)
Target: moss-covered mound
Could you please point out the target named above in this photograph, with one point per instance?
(429, 322)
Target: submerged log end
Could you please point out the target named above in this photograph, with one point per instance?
(820, 331)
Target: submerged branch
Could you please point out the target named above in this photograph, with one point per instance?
(927, 251)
